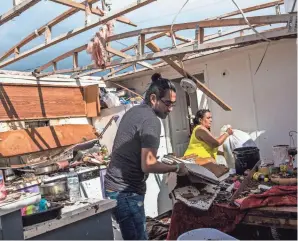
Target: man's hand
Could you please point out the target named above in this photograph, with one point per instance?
(182, 170)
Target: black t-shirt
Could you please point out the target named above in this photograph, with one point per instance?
(139, 128)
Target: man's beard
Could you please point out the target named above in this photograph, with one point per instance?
(161, 115)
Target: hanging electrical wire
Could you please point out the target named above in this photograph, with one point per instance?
(259, 34)
(248, 23)
(171, 31)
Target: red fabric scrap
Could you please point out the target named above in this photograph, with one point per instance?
(219, 216)
(276, 196)
(97, 46)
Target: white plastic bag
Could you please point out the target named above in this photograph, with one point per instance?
(111, 100)
(237, 140)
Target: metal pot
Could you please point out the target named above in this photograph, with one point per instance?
(46, 170)
(53, 188)
(9, 175)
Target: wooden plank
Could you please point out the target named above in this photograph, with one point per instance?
(123, 19)
(126, 56)
(61, 57)
(226, 33)
(75, 60)
(201, 35)
(79, 6)
(277, 222)
(54, 66)
(141, 44)
(249, 9)
(89, 72)
(123, 87)
(65, 71)
(99, 70)
(77, 31)
(25, 141)
(42, 29)
(17, 10)
(40, 102)
(184, 73)
(48, 34)
(179, 37)
(95, 11)
(91, 96)
(268, 19)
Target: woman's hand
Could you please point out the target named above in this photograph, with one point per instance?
(230, 131)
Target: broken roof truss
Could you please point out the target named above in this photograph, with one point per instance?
(173, 56)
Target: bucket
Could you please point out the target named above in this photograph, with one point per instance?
(280, 154)
(205, 234)
(245, 158)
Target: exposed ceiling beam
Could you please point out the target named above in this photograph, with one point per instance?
(179, 37)
(42, 29)
(91, 72)
(17, 10)
(184, 73)
(126, 56)
(206, 38)
(268, 19)
(160, 64)
(123, 87)
(115, 71)
(249, 9)
(79, 6)
(203, 47)
(75, 32)
(61, 57)
(96, 11)
(83, 47)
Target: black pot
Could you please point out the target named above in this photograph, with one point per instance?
(245, 158)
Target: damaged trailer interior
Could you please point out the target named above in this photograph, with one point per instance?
(58, 124)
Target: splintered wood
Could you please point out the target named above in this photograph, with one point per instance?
(26, 141)
(91, 94)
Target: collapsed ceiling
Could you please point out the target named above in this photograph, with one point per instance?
(118, 60)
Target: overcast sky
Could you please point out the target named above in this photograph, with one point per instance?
(157, 13)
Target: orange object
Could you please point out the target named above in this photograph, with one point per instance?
(202, 161)
(63, 164)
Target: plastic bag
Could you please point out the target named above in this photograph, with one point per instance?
(238, 139)
(111, 100)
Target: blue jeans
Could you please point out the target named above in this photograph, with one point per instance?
(130, 214)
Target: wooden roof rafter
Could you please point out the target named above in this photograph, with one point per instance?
(50, 42)
(256, 21)
(188, 49)
(249, 9)
(268, 19)
(275, 33)
(42, 29)
(17, 10)
(188, 42)
(96, 11)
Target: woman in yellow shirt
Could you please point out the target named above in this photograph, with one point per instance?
(202, 143)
